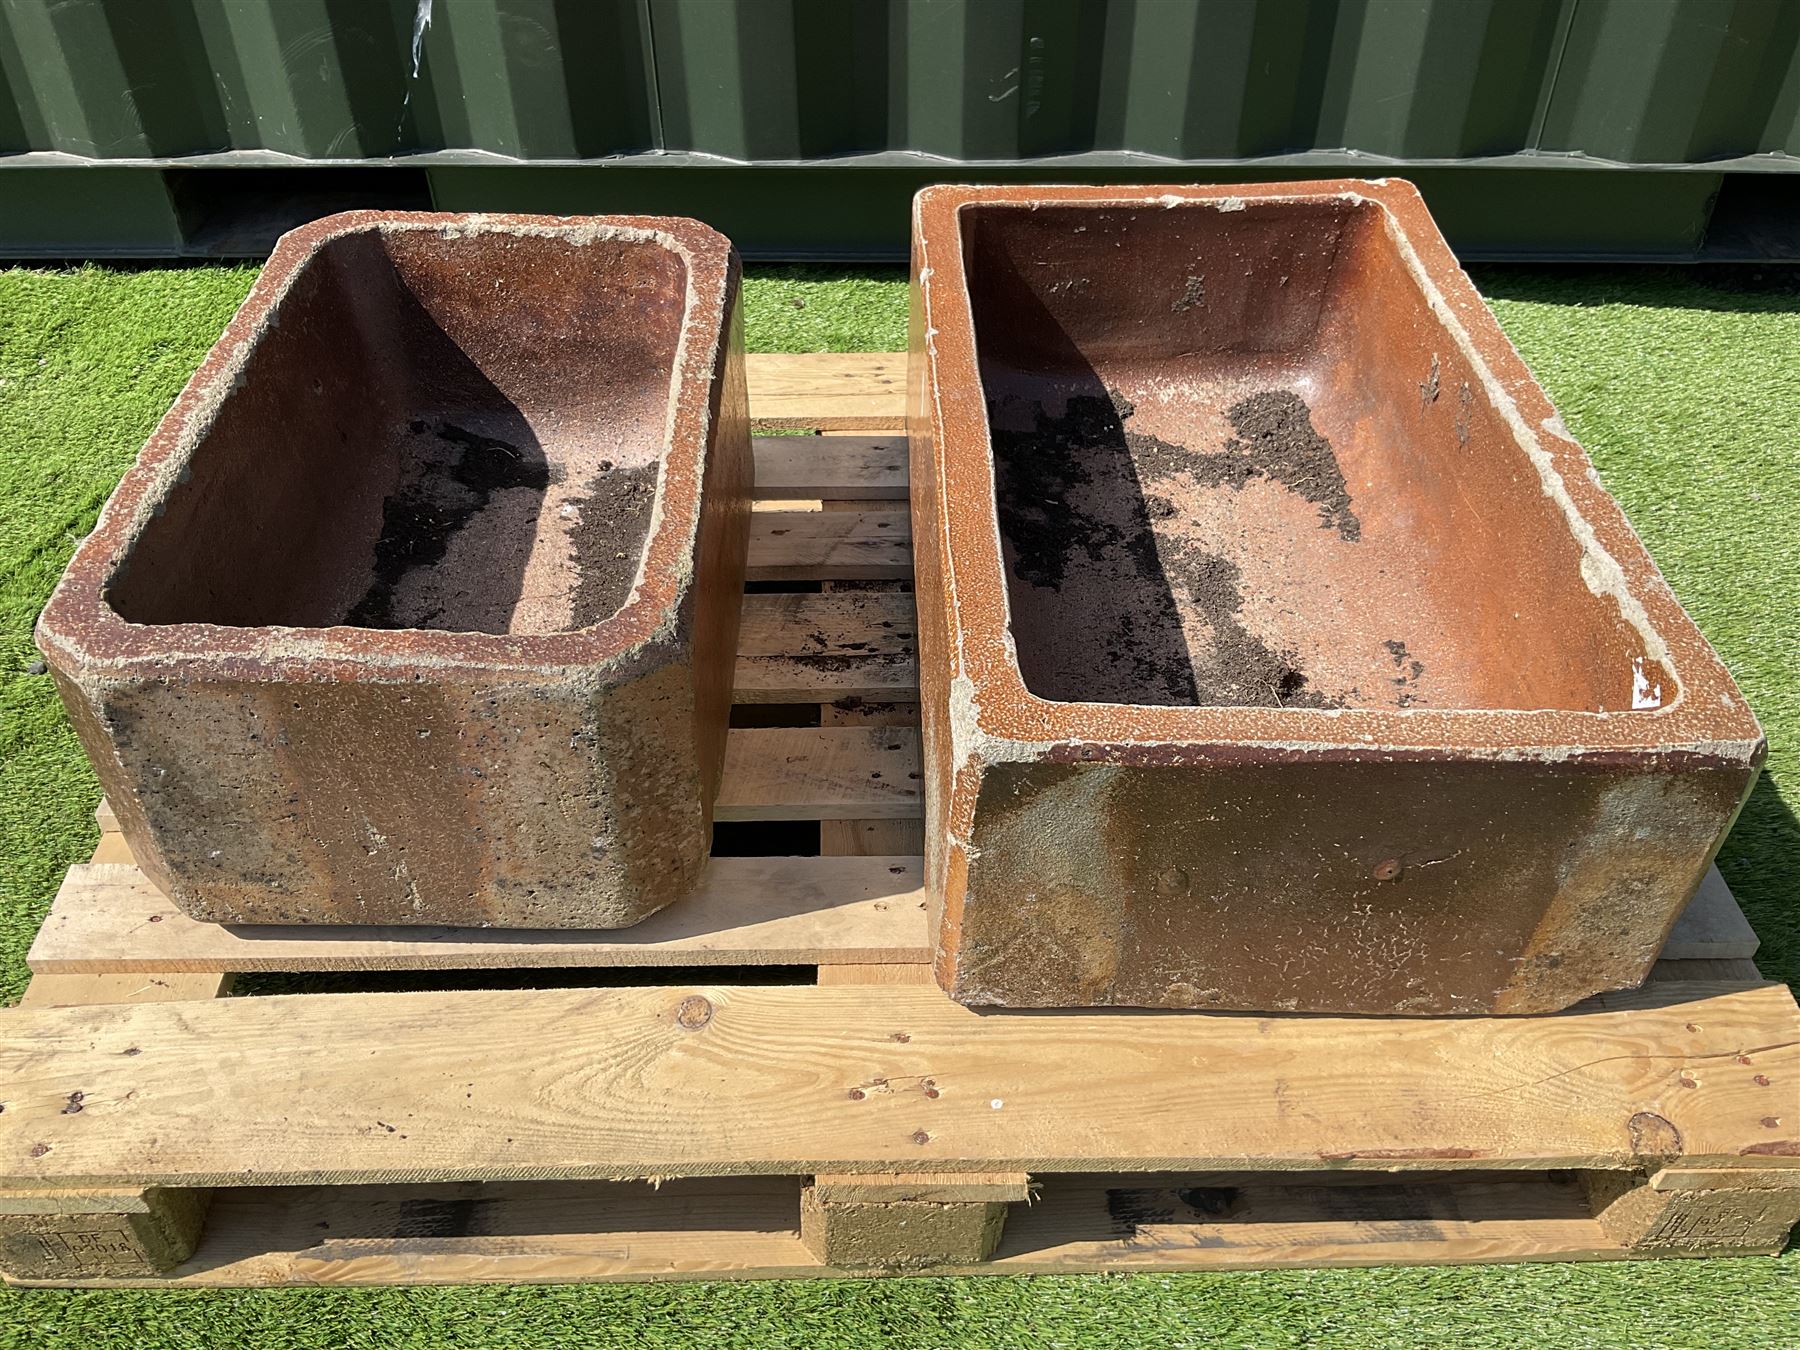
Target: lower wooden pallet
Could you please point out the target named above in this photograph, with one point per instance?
(733, 1131)
(154, 1134)
(685, 1229)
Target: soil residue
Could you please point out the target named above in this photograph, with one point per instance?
(437, 498)
(608, 539)
(458, 482)
(1275, 440)
(1077, 521)
(1039, 471)
(1408, 668)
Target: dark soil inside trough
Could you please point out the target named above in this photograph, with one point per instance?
(609, 539)
(459, 532)
(1077, 520)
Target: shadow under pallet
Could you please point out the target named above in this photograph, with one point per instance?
(155, 1134)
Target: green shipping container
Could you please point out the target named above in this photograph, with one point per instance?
(1632, 128)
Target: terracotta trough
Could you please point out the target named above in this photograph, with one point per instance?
(1279, 648)
(421, 604)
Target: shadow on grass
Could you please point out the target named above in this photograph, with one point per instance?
(822, 273)
(1728, 288)
(1761, 864)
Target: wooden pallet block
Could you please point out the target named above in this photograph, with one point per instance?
(863, 1124)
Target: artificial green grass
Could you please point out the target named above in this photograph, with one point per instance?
(1683, 387)
(812, 309)
(88, 361)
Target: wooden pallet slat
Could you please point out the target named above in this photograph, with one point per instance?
(746, 1227)
(111, 922)
(851, 545)
(831, 468)
(784, 1080)
(157, 983)
(1120, 1224)
(837, 391)
(821, 773)
(861, 919)
(811, 648)
(515, 1232)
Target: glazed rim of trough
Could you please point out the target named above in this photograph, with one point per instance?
(1707, 721)
(80, 622)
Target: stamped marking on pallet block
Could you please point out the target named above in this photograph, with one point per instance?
(1695, 1212)
(70, 1234)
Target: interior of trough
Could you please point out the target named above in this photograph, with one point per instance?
(433, 431)
(1240, 462)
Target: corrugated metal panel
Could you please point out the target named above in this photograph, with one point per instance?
(325, 79)
(107, 81)
(1678, 81)
(1640, 81)
(1012, 79)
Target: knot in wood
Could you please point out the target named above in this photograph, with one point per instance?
(694, 1012)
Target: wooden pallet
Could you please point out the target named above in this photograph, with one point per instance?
(658, 1128)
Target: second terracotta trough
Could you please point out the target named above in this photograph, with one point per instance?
(1280, 649)
(421, 604)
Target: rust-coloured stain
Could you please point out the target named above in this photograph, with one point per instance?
(421, 604)
(1279, 648)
